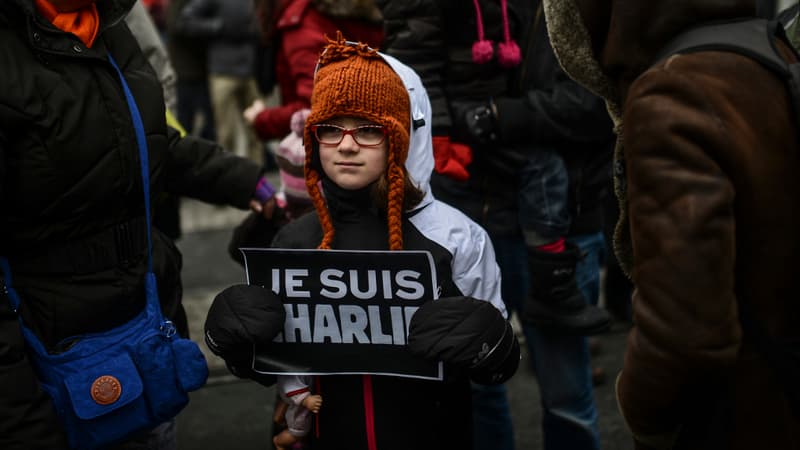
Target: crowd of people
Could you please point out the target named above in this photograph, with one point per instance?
(527, 146)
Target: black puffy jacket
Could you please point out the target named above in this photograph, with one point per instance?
(71, 194)
(539, 106)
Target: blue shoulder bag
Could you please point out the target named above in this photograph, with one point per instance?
(131, 378)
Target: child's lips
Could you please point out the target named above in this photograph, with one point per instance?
(348, 164)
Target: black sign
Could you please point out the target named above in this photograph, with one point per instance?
(347, 312)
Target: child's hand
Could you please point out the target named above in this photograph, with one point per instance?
(252, 111)
(313, 403)
(267, 210)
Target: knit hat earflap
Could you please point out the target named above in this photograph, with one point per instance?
(509, 54)
(353, 80)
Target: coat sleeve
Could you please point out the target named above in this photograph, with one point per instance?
(475, 270)
(560, 112)
(199, 19)
(27, 418)
(302, 45)
(681, 210)
(415, 35)
(200, 169)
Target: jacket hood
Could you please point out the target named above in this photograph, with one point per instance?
(606, 44)
(419, 162)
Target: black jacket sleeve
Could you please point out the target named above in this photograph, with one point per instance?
(198, 19)
(414, 34)
(203, 170)
(564, 113)
(554, 109)
(209, 19)
(255, 231)
(27, 418)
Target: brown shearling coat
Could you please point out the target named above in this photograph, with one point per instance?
(711, 185)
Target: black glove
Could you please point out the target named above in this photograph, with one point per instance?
(481, 124)
(240, 317)
(466, 333)
(481, 130)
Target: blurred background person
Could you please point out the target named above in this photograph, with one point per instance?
(230, 29)
(189, 59)
(296, 30)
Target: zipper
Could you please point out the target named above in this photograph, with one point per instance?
(369, 412)
(531, 39)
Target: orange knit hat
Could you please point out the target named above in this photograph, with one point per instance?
(353, 80)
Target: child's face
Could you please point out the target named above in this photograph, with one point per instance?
(349, 164)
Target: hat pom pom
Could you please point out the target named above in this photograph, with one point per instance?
(482, 51)
(508, 54)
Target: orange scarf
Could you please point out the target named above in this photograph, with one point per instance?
(83, 23)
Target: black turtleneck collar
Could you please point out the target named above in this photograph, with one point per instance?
(347, 205)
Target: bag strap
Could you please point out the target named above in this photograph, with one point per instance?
(753, 38)
(150, 288)
(143, 159)
(7, 286)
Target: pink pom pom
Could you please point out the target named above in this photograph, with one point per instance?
(508, 54)
(482, 52)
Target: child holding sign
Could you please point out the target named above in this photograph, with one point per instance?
(368, 163)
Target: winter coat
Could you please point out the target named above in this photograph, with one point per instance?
(708, 175)
(187, 54)
(229, 28)
(406, 413)
(539, 107)
(72, 225)
(301, 31)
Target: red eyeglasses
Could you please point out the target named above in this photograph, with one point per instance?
(364, 135)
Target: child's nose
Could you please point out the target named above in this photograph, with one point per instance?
(348, 143)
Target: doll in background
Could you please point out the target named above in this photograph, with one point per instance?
(293, 410)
